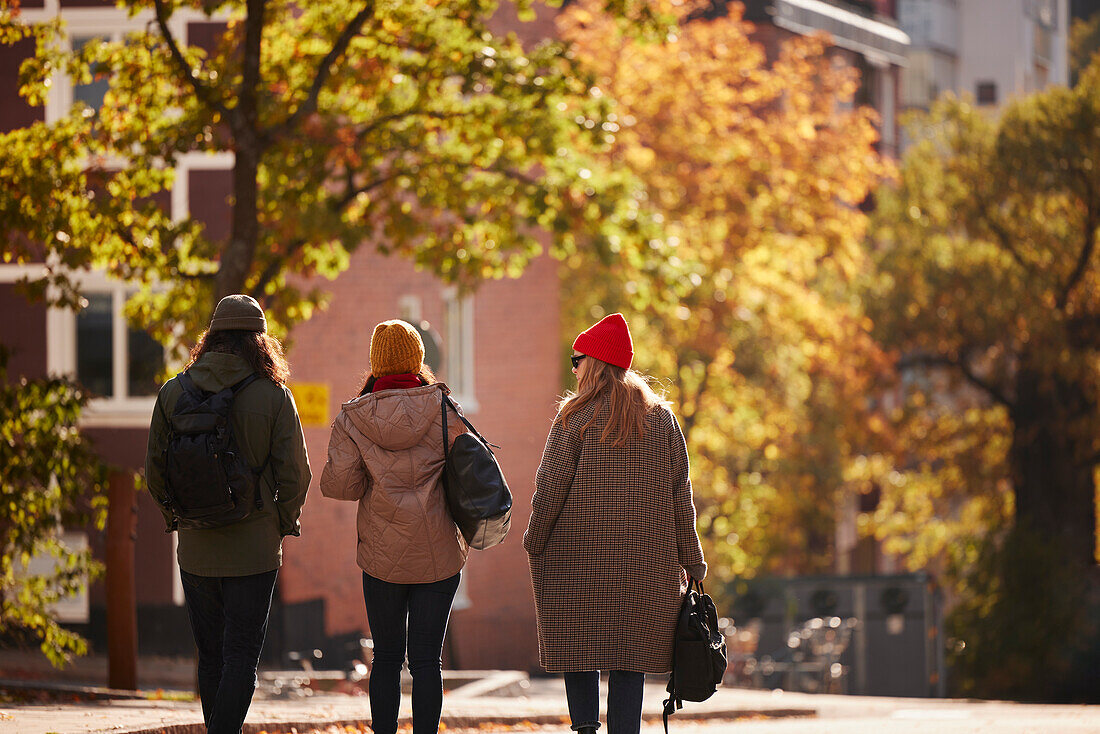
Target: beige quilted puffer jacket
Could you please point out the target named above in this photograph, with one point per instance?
(386, 452)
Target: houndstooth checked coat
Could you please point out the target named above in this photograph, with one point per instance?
(611, 530)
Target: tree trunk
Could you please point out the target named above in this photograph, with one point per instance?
(248, 147)
(121, 591)
(236, 260)
(1052, 474)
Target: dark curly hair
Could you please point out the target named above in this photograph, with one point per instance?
(263, 352)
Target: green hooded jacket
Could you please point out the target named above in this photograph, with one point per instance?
(266, 427)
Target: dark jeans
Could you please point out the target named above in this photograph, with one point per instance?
(229, 618)
(624, 700)
(412, 617)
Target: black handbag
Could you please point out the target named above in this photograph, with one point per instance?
(477, 493)
(698, 652)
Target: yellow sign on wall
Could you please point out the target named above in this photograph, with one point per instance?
(312, 400)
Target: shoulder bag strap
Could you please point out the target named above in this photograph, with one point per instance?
(443, 407)
(469, 425)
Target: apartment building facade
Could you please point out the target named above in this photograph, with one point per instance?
(866, 35)
(993, 50)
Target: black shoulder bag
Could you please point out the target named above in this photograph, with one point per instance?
(698, 652)
(477, 493)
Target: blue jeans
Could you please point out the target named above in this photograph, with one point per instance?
(229, 618)
(410, 617)
(624, 700)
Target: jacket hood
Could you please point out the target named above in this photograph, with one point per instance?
(395, 419)
(217, 370)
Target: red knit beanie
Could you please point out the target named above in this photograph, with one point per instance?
(608, 340)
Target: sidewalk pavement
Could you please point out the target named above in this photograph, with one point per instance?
(544, 703)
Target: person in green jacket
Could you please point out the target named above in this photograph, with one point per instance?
(229, 572)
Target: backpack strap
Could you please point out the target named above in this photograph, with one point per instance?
(189, 385)
(244, 383)
(672, 704)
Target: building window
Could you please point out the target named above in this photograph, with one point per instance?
(458, 347)
(94, 345)
(120, 366)
(92, 93)
(987, 93)
(114, 361)
(70, 609)
(928, 75)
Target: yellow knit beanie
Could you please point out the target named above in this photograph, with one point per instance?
(395, 348)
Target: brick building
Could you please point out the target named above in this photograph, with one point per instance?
(499, 349)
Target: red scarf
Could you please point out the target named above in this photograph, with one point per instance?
(396, 382)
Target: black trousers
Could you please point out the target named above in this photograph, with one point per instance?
(412, 618)
(229, 618)
(624, 700)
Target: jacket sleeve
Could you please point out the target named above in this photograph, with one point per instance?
(552, 482)
(290, 463)
(344, 477)
(687, 535)
(154, 461)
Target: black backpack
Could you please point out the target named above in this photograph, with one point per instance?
(209, 482)
(698, 652)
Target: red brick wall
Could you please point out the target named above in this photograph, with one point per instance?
(14, 111)
(23, 333)
(517, 355)
(154, 556)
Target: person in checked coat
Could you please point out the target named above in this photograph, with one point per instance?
(386, 453)
(612, 537)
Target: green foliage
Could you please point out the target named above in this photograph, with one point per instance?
(989, 295)
(1084, 42)
(51, 480)
(1007, 633)
(406, 125)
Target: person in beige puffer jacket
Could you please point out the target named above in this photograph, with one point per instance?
(386, 453)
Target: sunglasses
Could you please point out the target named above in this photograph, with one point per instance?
(576, 360)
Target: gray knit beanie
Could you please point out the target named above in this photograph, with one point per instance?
(238, 312)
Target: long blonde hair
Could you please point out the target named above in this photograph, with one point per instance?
(627, 394)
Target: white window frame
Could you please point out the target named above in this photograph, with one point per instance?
(458, 323)
(67, 609)
(120, 410)
(110, 22)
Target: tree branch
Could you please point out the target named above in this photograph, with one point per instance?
(203, 92)
(351, 193)
(324, 71)
(1082, 259)
(689, 420)
(939, 360)
(379, 121)
(1006, 243)
(274, 267)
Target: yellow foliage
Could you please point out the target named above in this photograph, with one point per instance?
(745, 306)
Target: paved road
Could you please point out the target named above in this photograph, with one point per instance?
(545, 701)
